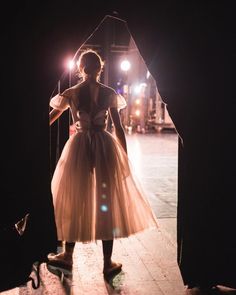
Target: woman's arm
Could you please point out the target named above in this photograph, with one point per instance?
(54, 115)
(119, 130)
(59, 104)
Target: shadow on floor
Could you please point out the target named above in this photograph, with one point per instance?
(219, 290)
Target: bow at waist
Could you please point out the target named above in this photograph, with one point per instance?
(89, 127)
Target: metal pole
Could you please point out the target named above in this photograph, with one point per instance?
(58, 128)
(70, 119)
(107, 64)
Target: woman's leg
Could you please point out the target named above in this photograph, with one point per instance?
(109, 266)
(69, 249)
(65, 258)
(107, 247)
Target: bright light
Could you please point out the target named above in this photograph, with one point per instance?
(104, 208)
(137, 113)
(137, 101)
(139, 88)
(125, 65)
(148, 74)
(143, 85)
(126, 88)
(71, 64)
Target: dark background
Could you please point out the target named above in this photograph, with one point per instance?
(189, 49)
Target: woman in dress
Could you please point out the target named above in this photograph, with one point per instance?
(94, 192)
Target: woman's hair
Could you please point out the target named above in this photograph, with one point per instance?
(90, 64)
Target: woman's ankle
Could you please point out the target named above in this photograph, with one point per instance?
(69, 248)
(107, 261)
(68, 254)
(65, 254)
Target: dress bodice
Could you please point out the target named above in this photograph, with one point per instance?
(87, 113)
(91, 122)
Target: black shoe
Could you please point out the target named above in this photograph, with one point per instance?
(113, 270)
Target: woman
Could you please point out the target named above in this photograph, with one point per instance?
(94, 193)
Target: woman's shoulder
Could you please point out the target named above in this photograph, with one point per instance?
(107, 89)
(70, 92)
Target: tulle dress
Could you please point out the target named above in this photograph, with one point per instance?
(95, 194)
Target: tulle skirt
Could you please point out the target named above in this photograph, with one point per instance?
(95, 194)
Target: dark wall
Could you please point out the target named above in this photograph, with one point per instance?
(25, 173)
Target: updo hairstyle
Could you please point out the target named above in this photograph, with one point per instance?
(90, 65)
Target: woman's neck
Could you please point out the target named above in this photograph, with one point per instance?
(91, 79)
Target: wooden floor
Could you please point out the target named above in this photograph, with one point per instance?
(149, 268)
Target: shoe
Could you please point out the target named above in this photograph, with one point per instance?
(112, 270)
(59, 260)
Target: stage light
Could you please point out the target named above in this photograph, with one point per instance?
(71, 64)
(125, 65)
(137, 113)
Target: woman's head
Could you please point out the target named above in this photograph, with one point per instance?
(90, 65)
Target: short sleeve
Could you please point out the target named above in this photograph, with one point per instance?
(60, 102)
(117, 101)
